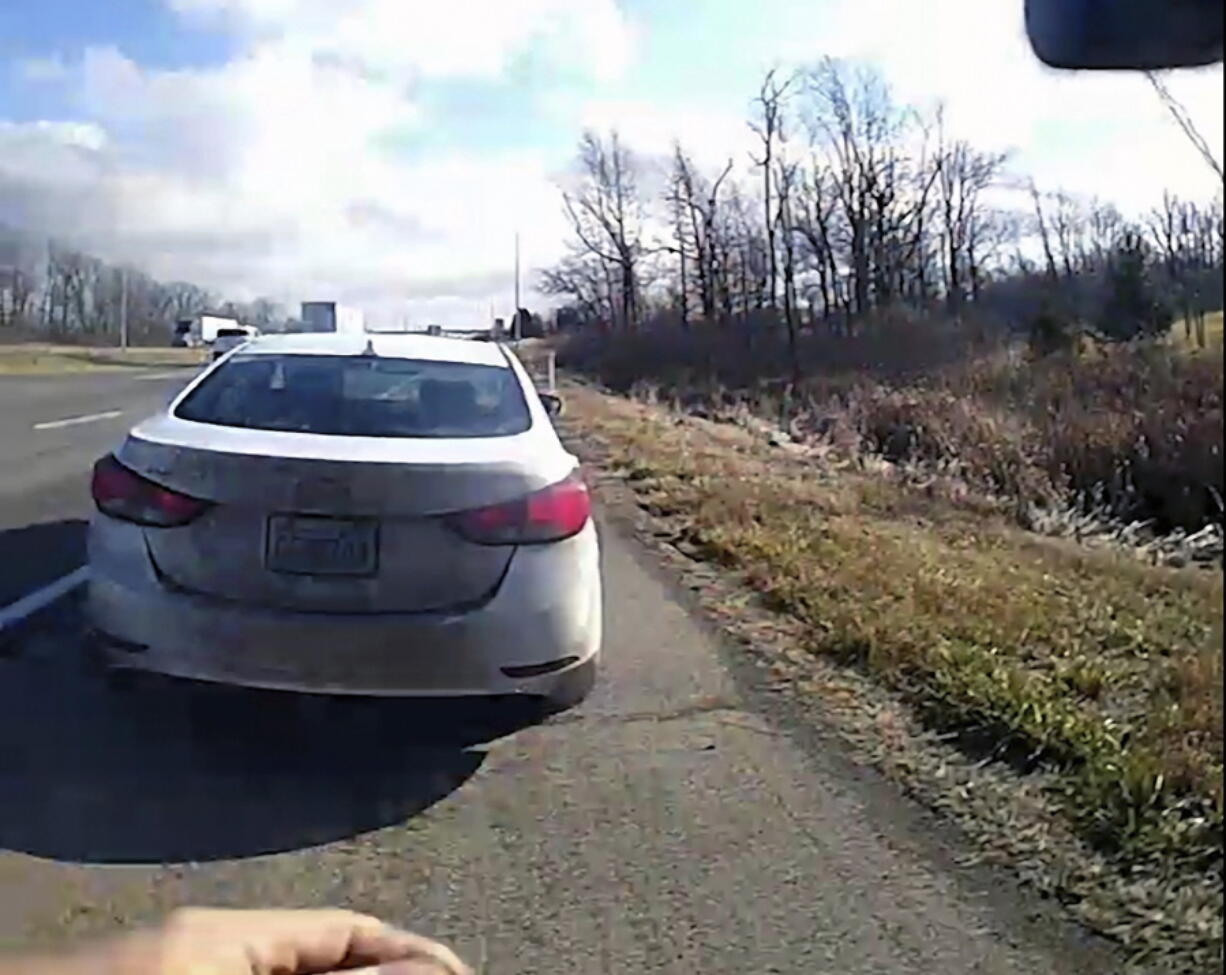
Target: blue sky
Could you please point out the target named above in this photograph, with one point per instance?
(147, 30)
(385, 151)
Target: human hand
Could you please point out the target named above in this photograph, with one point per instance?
(197, 941)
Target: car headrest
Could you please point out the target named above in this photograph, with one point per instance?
(448, 400)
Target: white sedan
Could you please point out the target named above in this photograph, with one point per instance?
(352, 514)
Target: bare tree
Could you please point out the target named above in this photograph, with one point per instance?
(18, 282)
(1188, 251)
(915, 261)
(814, 216)
(71, 277)
(606, 215)
(183, 299)
(989, 231)
(855, 125)
(1044, 237)
(264, 314)
(747, 246)
(696, 204)
(1069, 224)
(1103, 228)
(680, 198)
(963, 174)
(580, 278)
(785, 181)
(771, 105)
(883, 209)
(18, 290)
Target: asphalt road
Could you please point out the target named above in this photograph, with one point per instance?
(44, 482)
(671, 824)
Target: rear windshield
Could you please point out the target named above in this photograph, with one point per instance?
(360, 397)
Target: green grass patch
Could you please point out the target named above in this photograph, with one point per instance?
(45, 359)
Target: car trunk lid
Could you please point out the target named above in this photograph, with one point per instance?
(327, 524)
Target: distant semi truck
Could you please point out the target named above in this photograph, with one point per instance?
(329, 316)
(200, 330)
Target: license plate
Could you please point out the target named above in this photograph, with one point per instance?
(322, 546)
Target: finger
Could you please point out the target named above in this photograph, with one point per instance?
(299, 941)
(372, 944)
(418, 967)
(319, 940)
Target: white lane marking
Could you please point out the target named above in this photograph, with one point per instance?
(27, 605)
(182, 373)
(72, 421)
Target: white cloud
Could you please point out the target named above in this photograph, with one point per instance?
(423, 38)
(710, 135)
(1092, 132)
(49, 172)
(272, 173)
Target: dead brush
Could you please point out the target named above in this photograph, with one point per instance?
(1138, 428)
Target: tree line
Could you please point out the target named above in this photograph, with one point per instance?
(853, 202)
(52, 290)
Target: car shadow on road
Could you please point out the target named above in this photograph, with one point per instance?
(31, 556)
(174, 772)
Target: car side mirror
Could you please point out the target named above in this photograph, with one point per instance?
(1137, 35)
(552, 404)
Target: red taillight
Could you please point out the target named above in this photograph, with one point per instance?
(120, 493)
(549, 515)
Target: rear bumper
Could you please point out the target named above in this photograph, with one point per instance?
(539, 635)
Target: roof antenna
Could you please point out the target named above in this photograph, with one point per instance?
(370, 348)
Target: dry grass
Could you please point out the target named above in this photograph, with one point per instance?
(1056, 656)
(47, 359)
(1135, 432)
(1182, 338)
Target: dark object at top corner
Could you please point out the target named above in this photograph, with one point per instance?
(1130, 35)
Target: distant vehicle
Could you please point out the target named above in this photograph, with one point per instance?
(200, 330)
(328, 316)
(378, 515)
(434, 329)
(232, 338)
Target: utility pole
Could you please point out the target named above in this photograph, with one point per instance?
(123, 308)
(518, 325)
